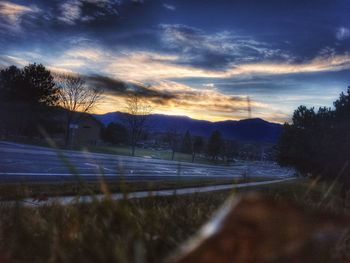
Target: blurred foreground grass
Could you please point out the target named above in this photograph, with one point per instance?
(17, 191)
(139, 230)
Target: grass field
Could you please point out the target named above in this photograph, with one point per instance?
(139, 230)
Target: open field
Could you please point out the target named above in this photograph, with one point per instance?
(138, 230)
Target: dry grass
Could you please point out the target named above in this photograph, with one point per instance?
(124, 231)
(143, 230)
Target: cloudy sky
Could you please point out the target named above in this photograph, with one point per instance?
(197, 58)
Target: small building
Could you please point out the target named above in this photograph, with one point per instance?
(85, 130)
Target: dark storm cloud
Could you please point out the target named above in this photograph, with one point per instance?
(275, 31)
(182, 97)
(121, 88)
(108, 84)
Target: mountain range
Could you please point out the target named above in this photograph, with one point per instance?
(254, 130)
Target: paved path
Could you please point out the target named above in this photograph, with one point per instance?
(66, 200)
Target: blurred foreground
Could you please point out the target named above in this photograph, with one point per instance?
(153, 229)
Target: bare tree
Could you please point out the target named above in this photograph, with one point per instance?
(136, 118)
(75, 96)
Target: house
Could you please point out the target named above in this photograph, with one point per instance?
(85, 130)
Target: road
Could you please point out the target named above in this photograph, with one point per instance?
(26, 163)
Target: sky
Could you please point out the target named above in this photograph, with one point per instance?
(198, 58)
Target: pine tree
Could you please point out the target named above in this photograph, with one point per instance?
(215, 144)
(186, 146)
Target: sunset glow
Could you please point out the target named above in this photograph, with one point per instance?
(184, 63)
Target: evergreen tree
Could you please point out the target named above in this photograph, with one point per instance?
(33, 85)
(39, 86)
(319, 142)
(186, 146)
(215, 144)
(115, 133)
(198, 145)
(26, 95)
(11, 81)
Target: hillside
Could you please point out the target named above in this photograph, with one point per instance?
(257, 130)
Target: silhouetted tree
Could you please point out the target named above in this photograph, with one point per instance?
(136, 118)
(319, 142)
(75, 96)
(11, 80)
(39, 86)
(33, 85)
(198, 145)
(186, 145)
(342, 105)
(304, 118)
(27, 94)
(215, 144)
(115, 133)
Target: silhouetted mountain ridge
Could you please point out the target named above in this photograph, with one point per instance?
(256, 129)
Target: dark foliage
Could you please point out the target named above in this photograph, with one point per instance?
(230, 150)
(115, 133)
(32, 85)
(39, 86)
(11, 81)
(26, 96)
(186, 146)
(215, 144)
(318, 142)
(198, 145)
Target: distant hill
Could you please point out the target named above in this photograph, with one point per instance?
(257, 130)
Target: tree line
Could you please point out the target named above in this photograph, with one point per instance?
(196, 145)
(318, 141)
(215, 147)
(32, 100)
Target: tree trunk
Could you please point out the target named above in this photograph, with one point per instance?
(193, 156)
(172, 155)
